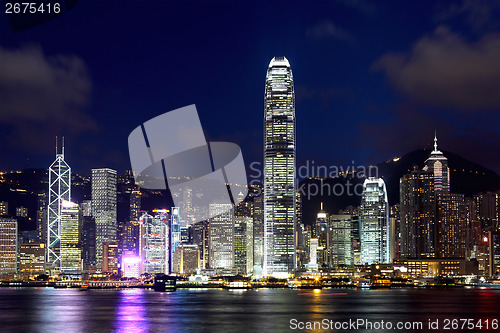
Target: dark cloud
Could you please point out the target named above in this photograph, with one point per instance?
(42, 96)
(328, 30)
(476, 14)
(444, 70)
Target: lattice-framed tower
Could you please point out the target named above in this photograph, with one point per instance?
(59, 191)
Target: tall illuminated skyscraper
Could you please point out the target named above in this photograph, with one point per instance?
(153, 243)
(104, 208)
(59, 191)
(279, 170)
(71, 251)
(437, 164)
(221, 248)
(8, 245)
(373, 221)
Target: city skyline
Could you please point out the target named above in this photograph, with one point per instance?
(261, 166)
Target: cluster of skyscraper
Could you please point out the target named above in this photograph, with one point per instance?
(263, 235)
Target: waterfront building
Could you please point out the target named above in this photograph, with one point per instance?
(32, 259)
(154, 243)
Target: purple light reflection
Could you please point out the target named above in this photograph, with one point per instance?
(131, 315)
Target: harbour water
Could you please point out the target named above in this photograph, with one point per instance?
(257, 310)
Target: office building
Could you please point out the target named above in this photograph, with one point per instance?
(258, 232)
(110, 258)
(322, 232)
(8, 245)
(104, 209)
(417, 215)
(59, 191)
(221, 236)
(243, 245)
(186, 259)
(373, 222)
(201, 238)
(71, 251)
(154, 242)
(279, 170)
(32, 259)
(341, 241)
(89, 245)
(451, 225)
(437, 165)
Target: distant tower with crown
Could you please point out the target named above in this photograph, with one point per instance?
(438, 165)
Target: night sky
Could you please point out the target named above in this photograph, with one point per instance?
(373, 79)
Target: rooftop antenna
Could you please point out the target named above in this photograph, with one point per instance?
(322, 205)
(56, 144)
(435, 141)
(63, 146)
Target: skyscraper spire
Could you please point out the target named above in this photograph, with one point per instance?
(435, 141)
(63, 146)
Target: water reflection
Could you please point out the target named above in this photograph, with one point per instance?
(131, 313)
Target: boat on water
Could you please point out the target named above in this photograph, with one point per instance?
(363, 283)
(237, 285)
(163, 282)
(493, 283)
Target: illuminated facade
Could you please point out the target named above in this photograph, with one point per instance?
(258, 232)
(186, 259)
(71, 251)
(174, 236)
(243, 245)
(110, 257)
(130, 237)
(279, 170)
(418, 215)
(104, 209)
(429, 225)
(373, 222)
(451, 225)
(221, 236)
(131, 265)
(322, 232)
(437, 164)
(153, 243)
(59, 191)
(32, 259)
(341, 248)
(8, 245)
